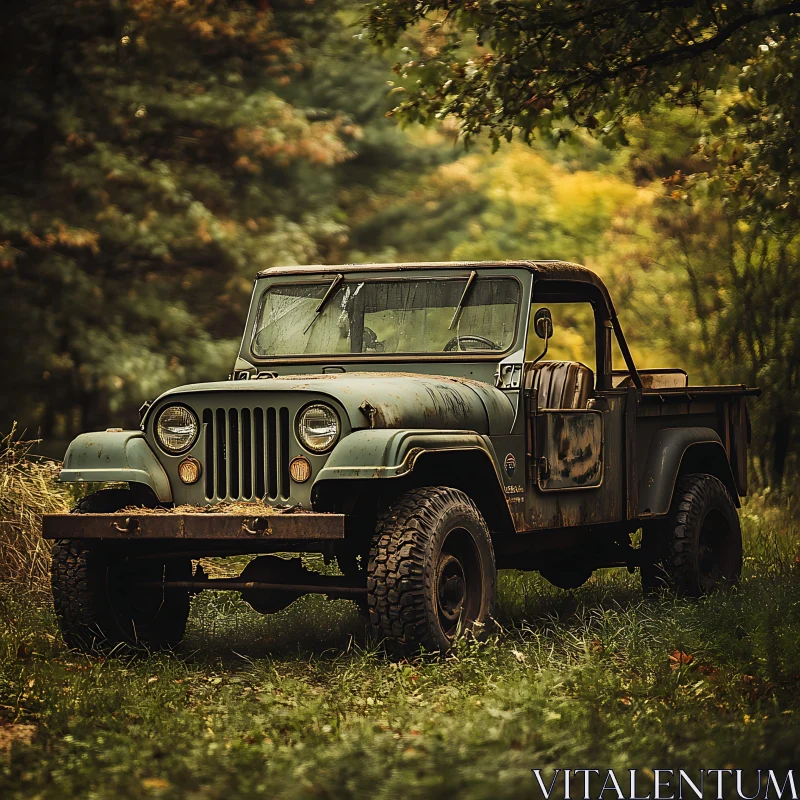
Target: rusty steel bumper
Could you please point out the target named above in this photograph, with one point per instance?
(193, 526)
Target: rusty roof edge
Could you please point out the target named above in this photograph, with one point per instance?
(554, 269)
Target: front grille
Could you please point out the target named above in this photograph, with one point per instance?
(246, 453)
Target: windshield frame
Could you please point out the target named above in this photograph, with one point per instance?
(323, 279)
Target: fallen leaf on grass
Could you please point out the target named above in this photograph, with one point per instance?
(678, 659)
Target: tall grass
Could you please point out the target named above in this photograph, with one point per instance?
(28, 489)
(303, 703)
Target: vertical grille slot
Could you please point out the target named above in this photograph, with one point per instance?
(284, 453)
(208, 425)
(272, 454)
(220, 467)
(259, 452)
(247, 453)
(234, 462)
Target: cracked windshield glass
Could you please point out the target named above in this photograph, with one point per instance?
(472, 313)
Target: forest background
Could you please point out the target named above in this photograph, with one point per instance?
(155, 154)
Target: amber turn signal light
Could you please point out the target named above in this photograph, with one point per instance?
(189, 470)
(300, 469)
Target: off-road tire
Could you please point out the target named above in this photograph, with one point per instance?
(697, 548)
(96, 608)
(413, 580)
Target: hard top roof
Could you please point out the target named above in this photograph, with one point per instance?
(548, 270)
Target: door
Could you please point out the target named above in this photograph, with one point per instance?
(569, 449)
(576, 466)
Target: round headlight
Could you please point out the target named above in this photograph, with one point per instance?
(176, 429)
(318, 428)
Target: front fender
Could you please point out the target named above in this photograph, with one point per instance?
(382, 453)
(113, 456)
(677, 450)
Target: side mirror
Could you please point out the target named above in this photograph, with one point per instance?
(543, 323)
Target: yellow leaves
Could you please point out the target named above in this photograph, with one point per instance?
(463, 173)
(204, 28)
(157, 784)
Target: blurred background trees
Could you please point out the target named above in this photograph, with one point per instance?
(155, 154)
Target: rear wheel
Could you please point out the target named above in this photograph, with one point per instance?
(97, 600)
(431, 575)
(697, 548)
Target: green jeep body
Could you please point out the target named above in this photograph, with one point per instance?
(561, 461)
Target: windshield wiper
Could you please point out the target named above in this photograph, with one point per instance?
(324, 302)
(460, 306)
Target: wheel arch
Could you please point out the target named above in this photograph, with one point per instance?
(401, 460)
(112, 457)
(675, 452)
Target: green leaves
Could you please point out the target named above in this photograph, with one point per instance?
(599, 64)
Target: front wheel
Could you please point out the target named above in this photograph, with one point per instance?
(697, 548)
(98, 592)
(431, 576)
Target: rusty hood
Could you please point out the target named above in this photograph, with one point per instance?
(387, 400)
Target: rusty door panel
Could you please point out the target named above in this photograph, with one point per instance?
(604, 503)
(571, 450)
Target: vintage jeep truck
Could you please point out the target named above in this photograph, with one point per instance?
(405, 420)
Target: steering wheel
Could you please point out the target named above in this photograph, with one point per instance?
(370, 343)
(456, 342)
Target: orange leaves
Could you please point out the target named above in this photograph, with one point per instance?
(292, 138)
(67, 236)
(202, 232)
(678, 659)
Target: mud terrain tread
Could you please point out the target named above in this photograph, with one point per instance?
(84, 610)
(398, 583)
(693, 494)
(76, 594)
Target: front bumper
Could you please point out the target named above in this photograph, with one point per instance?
(208, 526)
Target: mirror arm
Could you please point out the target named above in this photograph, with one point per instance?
(543, 353)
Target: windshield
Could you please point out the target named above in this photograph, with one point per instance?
(388, 316)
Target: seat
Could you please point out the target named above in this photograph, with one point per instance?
(561, 384)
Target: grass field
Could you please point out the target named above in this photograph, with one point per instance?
(303, 704)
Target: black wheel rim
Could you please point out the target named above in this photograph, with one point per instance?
(715, 551)
(459, 588)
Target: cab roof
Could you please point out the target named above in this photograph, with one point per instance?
(556, 271)
(546, 270)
